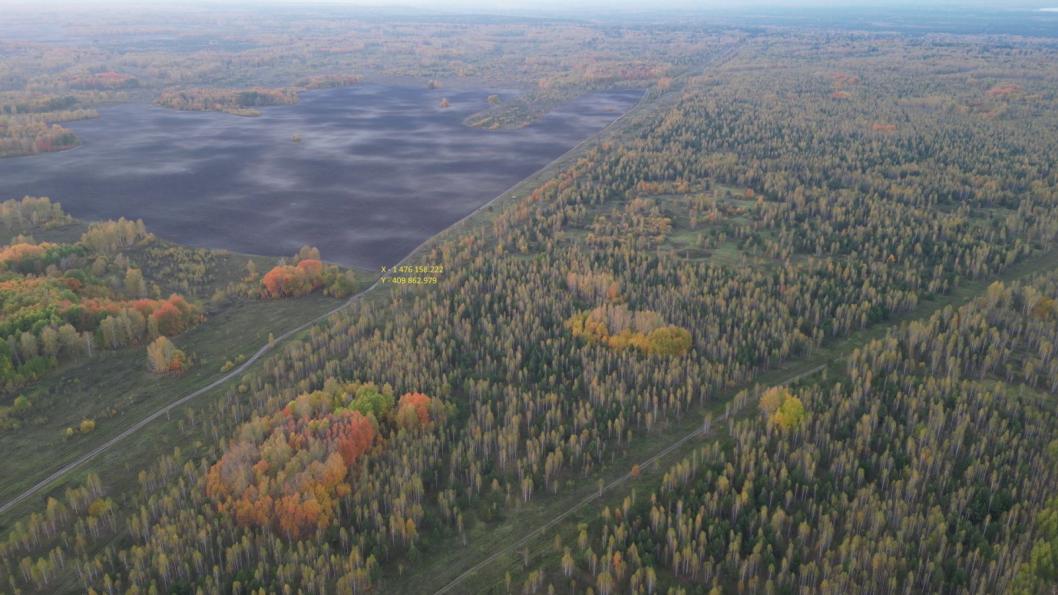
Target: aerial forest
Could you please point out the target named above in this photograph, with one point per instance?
(885, 203)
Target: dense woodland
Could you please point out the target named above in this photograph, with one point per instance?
(242, 102)
(238, 102)
(782, 194)
(923, 468)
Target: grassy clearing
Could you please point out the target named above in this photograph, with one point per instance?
(691, 238)
(112, 390)
(115, 388)
(65, 234)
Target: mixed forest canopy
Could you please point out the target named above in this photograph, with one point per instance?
(789, 326)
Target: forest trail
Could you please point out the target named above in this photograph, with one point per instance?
(702, 430)
(1041, 262)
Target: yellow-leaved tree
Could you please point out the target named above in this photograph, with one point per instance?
(781, 408)
(163, 357)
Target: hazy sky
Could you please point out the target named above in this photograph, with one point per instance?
(700, 4)
(574, 4)
(689, 4)
(575, 8)
(682, 5)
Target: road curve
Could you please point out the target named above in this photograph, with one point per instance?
(238, 371)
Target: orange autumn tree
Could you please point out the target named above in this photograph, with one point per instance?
(288, 472)
(413, 411)
(306, 275)
(293, 280)
(169, 317)
(20, 251)
(28, 258)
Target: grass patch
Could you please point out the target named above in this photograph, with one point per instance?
(116, 390)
